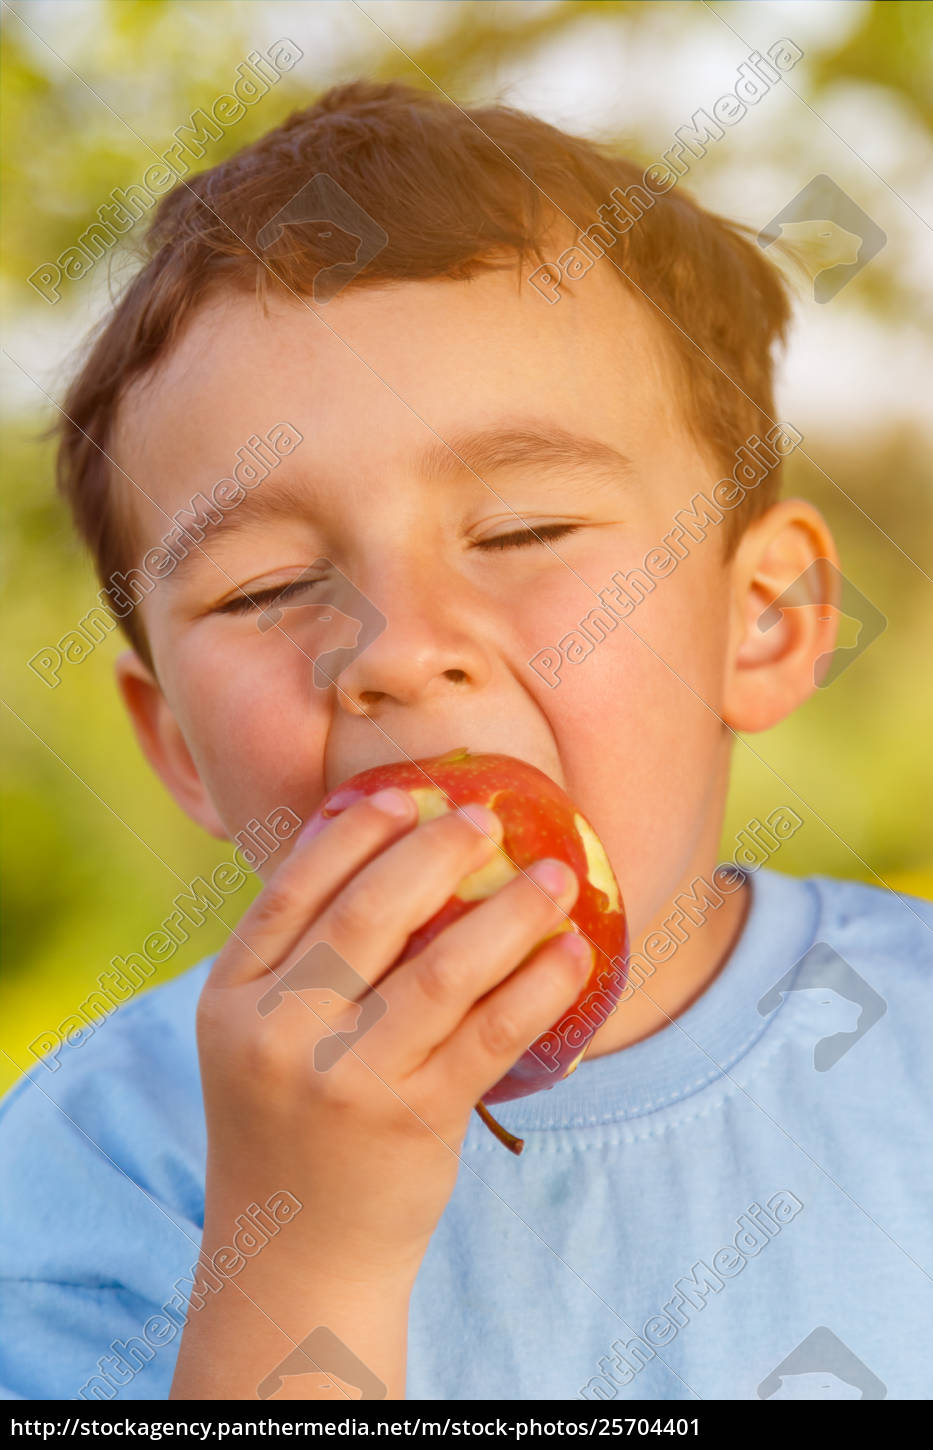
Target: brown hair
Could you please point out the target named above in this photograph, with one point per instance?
(456, 191)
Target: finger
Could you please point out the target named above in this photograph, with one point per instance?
(433, 992)
(505, 1023)
(371, 919)
(315, 870)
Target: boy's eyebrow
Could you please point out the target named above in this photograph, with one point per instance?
(479, 451)
(285, 500)
(532, 445)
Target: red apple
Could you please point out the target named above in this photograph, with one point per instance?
(539, 819)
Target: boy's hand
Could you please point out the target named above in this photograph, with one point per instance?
(369, 1145)
(365, 1133)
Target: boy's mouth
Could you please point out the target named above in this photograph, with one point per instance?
(399, 756)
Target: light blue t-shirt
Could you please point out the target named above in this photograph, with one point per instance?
(739, 1207)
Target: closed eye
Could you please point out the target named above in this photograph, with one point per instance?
(245, 602)
(521, 538)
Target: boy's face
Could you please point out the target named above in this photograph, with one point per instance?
(376, 382)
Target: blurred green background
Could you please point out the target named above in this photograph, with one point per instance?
(93, 850)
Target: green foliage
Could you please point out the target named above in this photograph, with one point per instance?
(892, 46)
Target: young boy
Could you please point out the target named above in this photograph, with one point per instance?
(534, 478)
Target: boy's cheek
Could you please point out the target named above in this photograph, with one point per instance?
(255, 727)
(634, 712)
(637, 647)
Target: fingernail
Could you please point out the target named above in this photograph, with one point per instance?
(579, 951)
(555, 877)
(484, 819)
(310, 829)
(393, 802)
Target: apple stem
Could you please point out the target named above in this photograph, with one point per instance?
(515, 1145)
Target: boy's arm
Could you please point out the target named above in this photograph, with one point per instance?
(283, 1330)
(366, 1141)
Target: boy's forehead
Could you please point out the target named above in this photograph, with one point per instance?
(380, 373)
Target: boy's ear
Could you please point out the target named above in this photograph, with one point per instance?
(784, 619)
(163, 744)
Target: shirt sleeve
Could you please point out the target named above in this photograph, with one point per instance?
(101, 1207)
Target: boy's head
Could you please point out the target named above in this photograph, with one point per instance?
(472, 467)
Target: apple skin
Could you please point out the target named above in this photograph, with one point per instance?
(539, 819)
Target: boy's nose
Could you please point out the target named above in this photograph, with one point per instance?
(430, 646)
